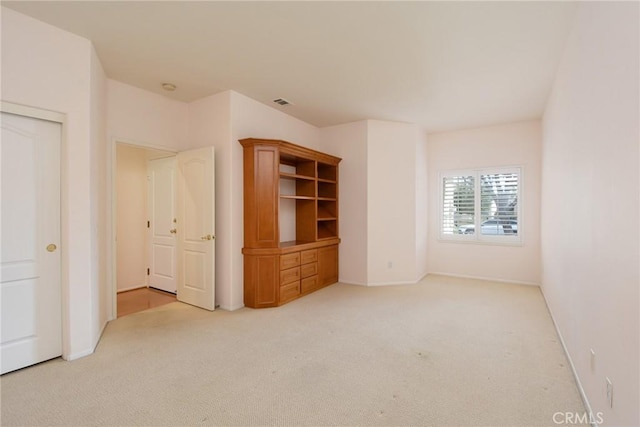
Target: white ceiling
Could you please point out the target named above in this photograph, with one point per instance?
(443, 65)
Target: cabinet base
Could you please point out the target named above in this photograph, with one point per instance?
(273, 277)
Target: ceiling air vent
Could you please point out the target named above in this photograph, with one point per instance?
(281, 101)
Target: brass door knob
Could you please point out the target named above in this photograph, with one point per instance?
(51, 247)
(173, 231)
(207, 237)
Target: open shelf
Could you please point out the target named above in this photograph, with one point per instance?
(305, 224)
(297, 165)
(327, 210)
(305, 187)
(327, 172)
(297, 180)
(293, 196)
(287, 175)
(327, 229)
(327, 190)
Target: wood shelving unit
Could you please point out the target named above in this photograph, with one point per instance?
(275, 171)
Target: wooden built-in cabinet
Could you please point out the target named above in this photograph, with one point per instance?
(279, 174)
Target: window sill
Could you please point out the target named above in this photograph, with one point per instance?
(492, 242)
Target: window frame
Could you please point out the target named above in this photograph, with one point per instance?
(479, 238)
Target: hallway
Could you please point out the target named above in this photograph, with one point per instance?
(130, 302)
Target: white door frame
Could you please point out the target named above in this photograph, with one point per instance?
(114, 210)
(56, 117)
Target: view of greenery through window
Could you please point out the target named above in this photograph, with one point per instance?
(498, 194)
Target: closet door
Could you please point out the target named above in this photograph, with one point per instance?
(31, 312)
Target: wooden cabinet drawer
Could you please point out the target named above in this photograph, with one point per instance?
(289, 275)
(309, 284)
(289, 260)
(308, 256)
(290, 291)
(307, 270)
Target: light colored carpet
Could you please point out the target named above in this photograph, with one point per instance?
(444, 352)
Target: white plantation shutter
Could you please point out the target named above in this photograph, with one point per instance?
(499, 202)
(458, 204)
(481, 205)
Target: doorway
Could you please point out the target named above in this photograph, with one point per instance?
(171, 232)
(136, 300)
(145, 235)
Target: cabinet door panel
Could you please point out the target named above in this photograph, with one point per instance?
(261, 281)
(328, 265)
(261, 197)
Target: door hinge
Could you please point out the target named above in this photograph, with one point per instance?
(148, 272)
(148, 224)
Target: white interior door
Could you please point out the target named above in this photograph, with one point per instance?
(162, 224)
(31, 319)
(196, 228)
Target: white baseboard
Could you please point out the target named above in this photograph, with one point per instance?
(230, 307)
(104, 326)
(407, 282)
(87, 352)
(585, 400)
(489, 279)
(79, 354)
(144, 285)
(422, 276)
(346, 282)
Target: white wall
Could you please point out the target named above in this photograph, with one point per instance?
(422, 204)
(514, 144)
(349, 141)
(45, 67)
(391, 202)
(590, 208)
(142, 117)
(251, 118)
(383, 201)
(102, 296)
(131, 215)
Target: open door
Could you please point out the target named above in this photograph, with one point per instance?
(196, 228)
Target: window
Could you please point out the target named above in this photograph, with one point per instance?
(487, 200)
